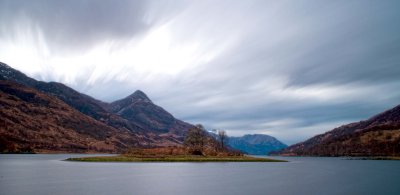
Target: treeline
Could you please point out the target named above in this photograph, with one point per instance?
(199, 142)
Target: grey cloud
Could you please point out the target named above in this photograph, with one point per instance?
(328, 42)
(76, 24)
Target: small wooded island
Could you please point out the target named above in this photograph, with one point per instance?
(198, 147)
(172, 154)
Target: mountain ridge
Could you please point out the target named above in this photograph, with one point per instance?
(120, 113)
(81, 102)
(145, 128)
(138, 107)
(377, 136)
(32, 121)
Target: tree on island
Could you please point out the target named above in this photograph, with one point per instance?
(200, 142)
(196, 139)
(222, 138)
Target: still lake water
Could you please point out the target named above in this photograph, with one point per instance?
(47, 174)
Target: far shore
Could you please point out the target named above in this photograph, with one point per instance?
(374, 158)
(350, 157)
(115, 157)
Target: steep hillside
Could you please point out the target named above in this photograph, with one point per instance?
(81, 102)
(257, 144)
(32, 121)
(139, 108)
(377, 136)
(141, 125)
(136, 113)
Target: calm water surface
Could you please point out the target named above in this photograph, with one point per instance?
(47, 174)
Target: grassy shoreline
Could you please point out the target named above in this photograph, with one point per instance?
(183, 158)
(374, 158)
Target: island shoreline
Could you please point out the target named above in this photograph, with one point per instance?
(187, 158)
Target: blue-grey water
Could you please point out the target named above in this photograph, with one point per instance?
(48, 174)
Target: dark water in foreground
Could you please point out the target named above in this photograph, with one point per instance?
(47, 174)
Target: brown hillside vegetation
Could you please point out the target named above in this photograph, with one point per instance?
(377, 136)
(32, 121)
(136, 113)
(79, 123)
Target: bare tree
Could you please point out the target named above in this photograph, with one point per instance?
(222, 137)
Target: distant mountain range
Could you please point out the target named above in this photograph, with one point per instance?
(377, 136)
(256, 144)
(39, 116)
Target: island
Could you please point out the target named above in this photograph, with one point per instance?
(173, 154)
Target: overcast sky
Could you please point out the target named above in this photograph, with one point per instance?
(290, 69)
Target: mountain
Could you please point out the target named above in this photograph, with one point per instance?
(135, 112)
(81, 102)
(34, 121)
(256, 144)
(139, 108)
(139, 124)
(377, 136)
